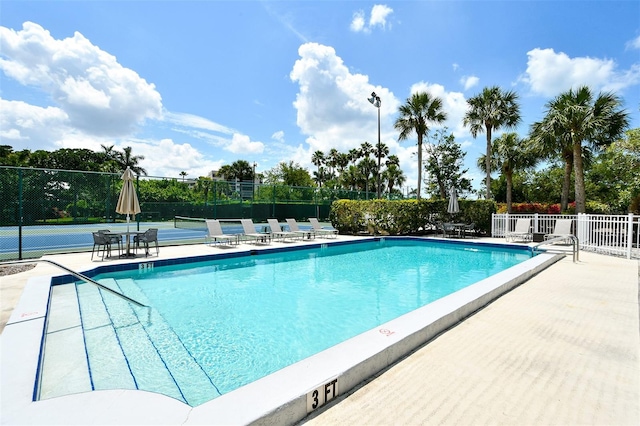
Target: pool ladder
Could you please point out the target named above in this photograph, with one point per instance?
(77, 275)
(574, 242)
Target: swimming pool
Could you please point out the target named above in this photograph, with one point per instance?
(220, 324)
(289, 392)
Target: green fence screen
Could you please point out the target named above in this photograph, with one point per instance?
(43, 210)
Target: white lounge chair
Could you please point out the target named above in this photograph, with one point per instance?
(216, 235)
(562, 228)
(277, 232)
(320, 230)
(304, 233)
(250, 233)
(522, 231)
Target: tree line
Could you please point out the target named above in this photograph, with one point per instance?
(583, 137)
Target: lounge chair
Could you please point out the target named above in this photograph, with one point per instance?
(277, 232)
(304, 233)
(522, 231)
(249, 232)
(562, 228)
(149, 236)
(320, 230)
(216, 235)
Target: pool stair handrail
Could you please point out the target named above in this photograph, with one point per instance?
(77, 275)
(574, 242)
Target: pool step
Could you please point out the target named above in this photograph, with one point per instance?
(194, 385)
(127, 347)
(64, 367)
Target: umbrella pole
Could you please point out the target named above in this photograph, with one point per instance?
(128, 236)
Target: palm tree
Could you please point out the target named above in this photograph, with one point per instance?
(126, 159)
(381, 151)
(510, 154)
(183, 174)
(317, 159)
(393, 176)
(489, 111)
(575, 116)
(415, 116)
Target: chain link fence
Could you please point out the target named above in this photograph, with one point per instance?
(45, 211)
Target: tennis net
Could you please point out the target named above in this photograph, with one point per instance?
(183, 222)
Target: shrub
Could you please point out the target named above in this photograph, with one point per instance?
(402, 217)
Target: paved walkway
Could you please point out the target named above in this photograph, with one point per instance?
(562, 349)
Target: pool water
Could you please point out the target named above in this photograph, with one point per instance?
(220, 324)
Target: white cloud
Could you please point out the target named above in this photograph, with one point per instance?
(278, 136)
(22, 123)
(469, 81)
(379, 14)
(99, 96)
(195, 122)
(378, 18)
(357, 23)
(633, 44)
(332, 107)
(549, 73)
(242, 144)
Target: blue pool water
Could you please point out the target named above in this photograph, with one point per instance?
(220, 324)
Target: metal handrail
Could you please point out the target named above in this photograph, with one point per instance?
(77, 275)
(574, 242)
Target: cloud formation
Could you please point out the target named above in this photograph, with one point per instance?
(549, 73)
(98, 95)
(377, 18)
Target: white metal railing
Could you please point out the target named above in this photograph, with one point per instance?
(617, 235)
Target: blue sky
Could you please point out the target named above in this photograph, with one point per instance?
(193, 85)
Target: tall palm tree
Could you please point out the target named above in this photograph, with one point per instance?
(126, 159)
(393, 176)
(317, 159)
(381, 150)
(510, 154)
(415, 116)
(488, 111)
(577, 117)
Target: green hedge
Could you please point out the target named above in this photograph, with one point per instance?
(402, 217)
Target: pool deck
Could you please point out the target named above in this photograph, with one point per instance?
(564, 348)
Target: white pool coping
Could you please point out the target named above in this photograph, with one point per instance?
(279, 398)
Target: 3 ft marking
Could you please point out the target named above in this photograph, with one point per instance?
(321, 395)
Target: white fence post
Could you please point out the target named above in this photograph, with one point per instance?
(582, 229)
(630, 235)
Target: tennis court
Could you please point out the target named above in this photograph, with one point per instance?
(39, 240)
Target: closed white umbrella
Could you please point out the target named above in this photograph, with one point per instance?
(453, 207)
(128, 201)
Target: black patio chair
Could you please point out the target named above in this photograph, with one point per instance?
(101, 240)
(150, 236)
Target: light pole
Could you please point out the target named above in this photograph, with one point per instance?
(375, 101)
(253, 187)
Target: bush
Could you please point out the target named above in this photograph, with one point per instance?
(403, 217)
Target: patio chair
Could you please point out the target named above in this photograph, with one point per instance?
(562, 228)
(113, 238)
(449, 230)
(293, 227)
(522, 231)
(471, 230)
(320, 230)
(277, 232)
(149, 236)
(216, 235)
(249, 232)
(101, 240)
